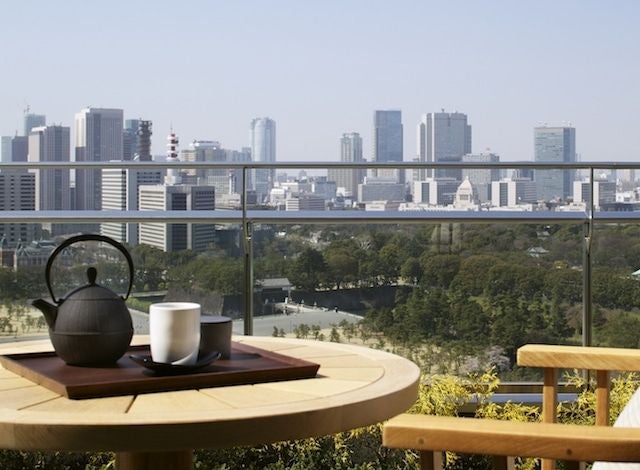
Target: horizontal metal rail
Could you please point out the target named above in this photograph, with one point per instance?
(220, 216)
(247, 218)
(324, 165)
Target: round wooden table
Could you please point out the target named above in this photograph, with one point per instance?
(355, 386)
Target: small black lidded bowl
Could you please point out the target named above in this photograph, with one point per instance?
(215, 334)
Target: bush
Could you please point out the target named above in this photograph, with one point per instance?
(361, 449)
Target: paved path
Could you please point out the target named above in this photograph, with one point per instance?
(262, 325)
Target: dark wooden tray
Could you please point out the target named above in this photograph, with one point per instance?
(246, 365)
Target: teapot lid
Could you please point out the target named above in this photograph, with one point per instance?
(92, 291)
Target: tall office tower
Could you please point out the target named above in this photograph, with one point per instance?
(130, 139)
(5, 150)
(481, 179)
(350, 152)
(120, 192)
(19, 148)
(52, 186)
(51, 144)
(554, 145)
(15, 149)
(387, 142)
(33, 120)
(263, 149)
(444, 137)
(143, 147)
(99, 138)
(17, 193)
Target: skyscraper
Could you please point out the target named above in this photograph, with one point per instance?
(130, 139)
(350, 151)
(17, 194)
(99, 138)
(33, 120)
(387, 141)
(52, 186)
(51, 144)
(554, 145)
(443, 137)
(263, 149)
(5, 150)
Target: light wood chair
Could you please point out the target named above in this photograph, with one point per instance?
(548, 440)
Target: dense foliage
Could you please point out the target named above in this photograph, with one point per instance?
(360, 449)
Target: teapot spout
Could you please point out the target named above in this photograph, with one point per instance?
(50, 311)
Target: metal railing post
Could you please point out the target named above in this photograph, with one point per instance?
(587, 314)
(247, 232)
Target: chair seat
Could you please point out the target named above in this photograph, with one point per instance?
(629, 417)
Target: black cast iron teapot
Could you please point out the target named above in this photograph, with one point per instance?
(90, 325)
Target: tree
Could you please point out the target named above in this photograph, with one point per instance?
(622, 330)
(439, 270)
(334, 336)
(412, 270)
(307, 270)
(342, 266)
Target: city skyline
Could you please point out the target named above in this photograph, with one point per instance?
(507, 67)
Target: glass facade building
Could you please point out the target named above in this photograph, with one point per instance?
(387, 136)
(554, 145)
(263, 149)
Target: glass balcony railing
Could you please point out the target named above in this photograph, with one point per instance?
(411, 267)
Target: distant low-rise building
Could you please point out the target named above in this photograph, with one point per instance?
(510, 192)
(305, 202)
(380, 189)
(435, 191)
(604, 192)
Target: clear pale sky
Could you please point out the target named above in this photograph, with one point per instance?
(320, 68)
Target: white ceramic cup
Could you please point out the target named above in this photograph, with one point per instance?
(174, 328)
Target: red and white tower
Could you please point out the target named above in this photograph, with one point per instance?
(173, 174)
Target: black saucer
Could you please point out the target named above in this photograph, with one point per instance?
(162, 368)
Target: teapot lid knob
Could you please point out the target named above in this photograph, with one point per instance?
(92, 273)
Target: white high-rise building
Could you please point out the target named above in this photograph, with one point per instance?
(120, 192)
(178, 197)
(347, 180)
(99, 138)
(443, 137)
(263, 149)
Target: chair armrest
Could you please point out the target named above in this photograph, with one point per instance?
(509, 438)
(579, 357)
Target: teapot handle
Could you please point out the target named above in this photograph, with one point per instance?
(82, 238)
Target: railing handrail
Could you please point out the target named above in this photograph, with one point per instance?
(249, 217)
(405, 165)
